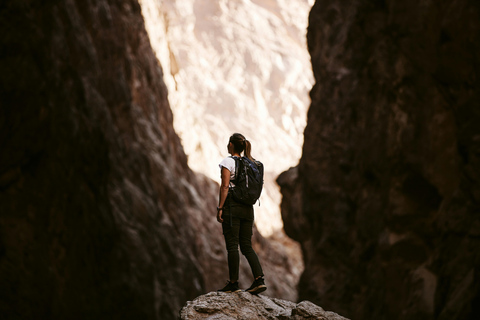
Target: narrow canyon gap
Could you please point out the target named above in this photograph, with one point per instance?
(236, 66)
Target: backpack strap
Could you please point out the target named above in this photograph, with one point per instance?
(231, 198)
(234, 179)
(235, 176)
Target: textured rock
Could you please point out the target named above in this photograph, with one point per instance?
(243, 305)
(385, 200)
(96, 195)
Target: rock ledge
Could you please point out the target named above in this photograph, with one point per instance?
(243, 305)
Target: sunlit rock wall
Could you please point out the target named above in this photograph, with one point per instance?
(385, 200)
(236, 66)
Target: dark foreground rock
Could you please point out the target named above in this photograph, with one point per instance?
(386, 197)
(95, 192)
(243, 305)
(99, 213)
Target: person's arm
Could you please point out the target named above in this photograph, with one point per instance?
(225, 174)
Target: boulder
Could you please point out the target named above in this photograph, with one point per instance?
(243, 305)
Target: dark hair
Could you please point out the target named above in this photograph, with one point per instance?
(241, 144)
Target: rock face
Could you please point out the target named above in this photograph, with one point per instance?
(96, 195)
(385, 200)
(243, 305)
(99, 212)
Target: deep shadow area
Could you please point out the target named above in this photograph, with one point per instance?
(92, 174)
(386, 198)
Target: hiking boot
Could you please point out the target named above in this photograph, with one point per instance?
(230, 287)
(257, 286)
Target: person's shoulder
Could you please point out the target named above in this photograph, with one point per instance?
(227, 162)
(228, 159)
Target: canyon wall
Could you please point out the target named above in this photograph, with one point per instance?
(385, 199)
(100, 214)
(96, 195)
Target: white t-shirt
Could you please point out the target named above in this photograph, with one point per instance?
(228, 163)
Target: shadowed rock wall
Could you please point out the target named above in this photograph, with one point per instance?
(95, 193)
(385, 200)
(99, 213)
(95, 189)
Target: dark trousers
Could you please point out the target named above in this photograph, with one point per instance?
(239, 232)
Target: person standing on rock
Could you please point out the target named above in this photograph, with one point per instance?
(237, 220)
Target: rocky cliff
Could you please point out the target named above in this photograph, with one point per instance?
(385, 200)
(99, 213)
(96, 195)
(243, 305)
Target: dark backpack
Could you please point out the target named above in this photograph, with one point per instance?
(248, 180)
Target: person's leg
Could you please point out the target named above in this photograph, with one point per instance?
(245, 239)
(231, 234)
(258, 284)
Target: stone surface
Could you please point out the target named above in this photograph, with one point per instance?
(385, 200)
(100, 215)
(243, 305)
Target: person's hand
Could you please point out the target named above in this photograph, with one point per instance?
(219, 216)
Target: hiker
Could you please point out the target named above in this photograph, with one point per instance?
(237, 219)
